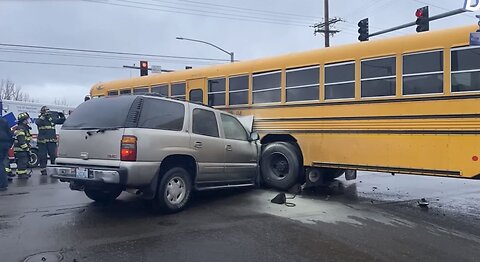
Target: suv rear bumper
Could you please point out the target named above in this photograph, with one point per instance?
(95, 175)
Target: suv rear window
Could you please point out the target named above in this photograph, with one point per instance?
(162, 114)
(106, 112)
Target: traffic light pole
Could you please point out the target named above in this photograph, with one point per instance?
(137, 67)
(432, 18)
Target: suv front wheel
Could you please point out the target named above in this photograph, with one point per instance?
(173, 191)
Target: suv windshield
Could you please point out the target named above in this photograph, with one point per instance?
(108, 112)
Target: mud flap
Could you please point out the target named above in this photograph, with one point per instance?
(350, 174)
(150, 191)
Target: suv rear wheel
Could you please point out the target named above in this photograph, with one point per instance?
(173, 191)
(102, 195)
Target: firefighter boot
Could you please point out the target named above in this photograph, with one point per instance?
(22, 174)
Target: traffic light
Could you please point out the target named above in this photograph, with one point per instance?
(423, 23)
(363, 30)
(143, 68)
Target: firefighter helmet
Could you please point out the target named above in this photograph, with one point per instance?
(22, 116)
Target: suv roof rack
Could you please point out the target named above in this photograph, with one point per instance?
(176, 98)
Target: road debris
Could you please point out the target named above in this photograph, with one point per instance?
(423, 203)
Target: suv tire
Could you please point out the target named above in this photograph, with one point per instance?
(280, 165)
(102, 195)
(174, 191)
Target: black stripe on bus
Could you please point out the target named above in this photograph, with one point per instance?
(400, 132)
(383, 101)
(456, 116)
(389, 169)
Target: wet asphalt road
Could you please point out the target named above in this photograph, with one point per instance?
(373, 218)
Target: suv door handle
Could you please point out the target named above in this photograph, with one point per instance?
(198, 145)
(228, 147)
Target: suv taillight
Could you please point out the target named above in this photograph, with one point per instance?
(128, 148)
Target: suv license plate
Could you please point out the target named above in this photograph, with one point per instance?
(82, 172)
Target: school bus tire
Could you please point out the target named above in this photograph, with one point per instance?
(280, 165)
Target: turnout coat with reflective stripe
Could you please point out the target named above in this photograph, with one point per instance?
(46, 129)
(22, 139)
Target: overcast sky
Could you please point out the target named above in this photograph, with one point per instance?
(250, 28)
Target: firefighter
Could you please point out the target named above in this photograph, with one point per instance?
(21, 146)
(47, 138)
(8, 170)
(6, 141)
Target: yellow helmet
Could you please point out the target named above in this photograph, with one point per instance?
(22, 116)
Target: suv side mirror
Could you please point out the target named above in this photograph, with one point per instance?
(254, 136)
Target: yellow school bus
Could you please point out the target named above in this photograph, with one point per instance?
(408, 104)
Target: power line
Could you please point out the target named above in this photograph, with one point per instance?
(58, 64)
(97, 56)
(110, 52)
(248, 9)
(273, 19)
(229, 17)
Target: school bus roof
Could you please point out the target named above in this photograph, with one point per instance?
(374, 48)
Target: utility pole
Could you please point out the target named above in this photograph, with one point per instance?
(324, 27)
(327, 24)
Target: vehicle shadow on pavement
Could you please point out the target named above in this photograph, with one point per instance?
(129, 206)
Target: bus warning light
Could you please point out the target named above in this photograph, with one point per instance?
(475, 158)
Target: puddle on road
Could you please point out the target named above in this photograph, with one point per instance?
(50, 256)
(316, 205)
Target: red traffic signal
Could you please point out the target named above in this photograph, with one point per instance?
(423, 22)
(419, 13)
(143, 68)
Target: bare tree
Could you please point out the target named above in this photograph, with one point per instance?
(10, 91)
(60, 101)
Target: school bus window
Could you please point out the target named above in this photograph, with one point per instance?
(113, 93)
(266, 87)
(125, 92)
(303, 84)
(139, 91)
(466, 70)
(216, 92)
(196, 95)
(160, 89)
(340, 80)
(178, 90)
(238, 90)
(423, 73)
(378, 77)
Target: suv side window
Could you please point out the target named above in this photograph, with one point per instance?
(204, 123)
(162, 114)
(233, 129)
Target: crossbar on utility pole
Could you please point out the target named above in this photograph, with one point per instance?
(324, 27)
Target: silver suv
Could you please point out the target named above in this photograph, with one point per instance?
(158, 147)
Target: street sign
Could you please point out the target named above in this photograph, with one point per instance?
(475, 39)
(156, 69)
